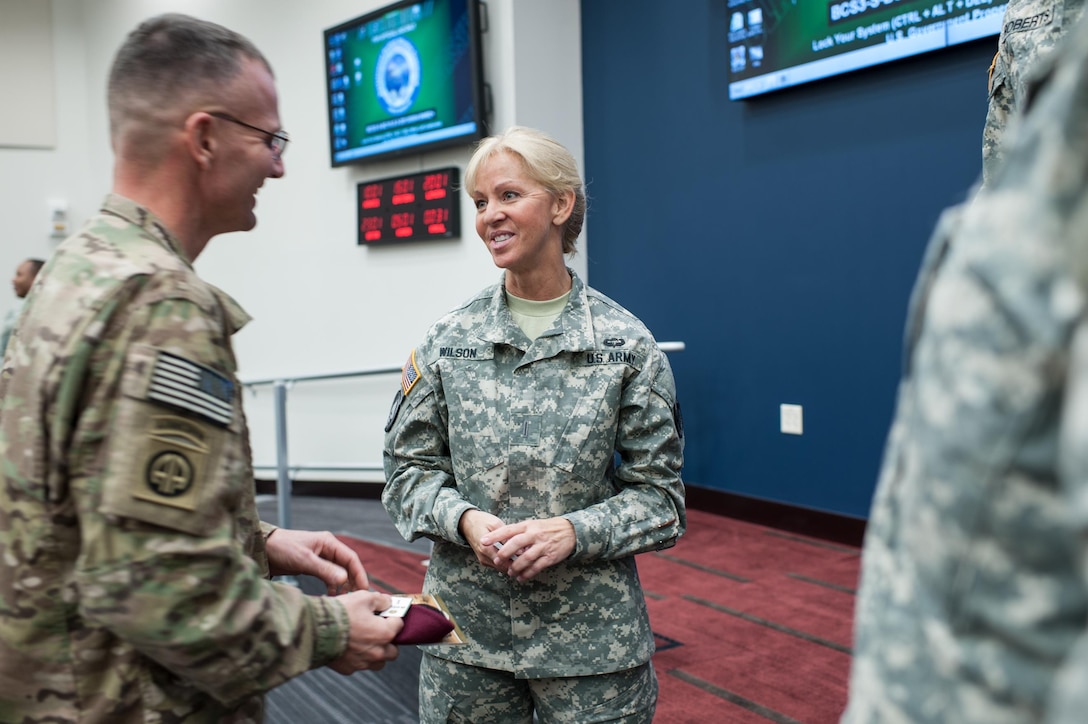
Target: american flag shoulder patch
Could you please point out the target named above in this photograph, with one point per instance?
(410, 376)
(193, 387)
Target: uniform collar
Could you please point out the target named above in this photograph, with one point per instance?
(146, 219)
(573, 330)
(236, 317)
(152, 225)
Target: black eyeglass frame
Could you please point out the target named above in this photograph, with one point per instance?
(277, 141)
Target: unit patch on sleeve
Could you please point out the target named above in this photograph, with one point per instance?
(193, 387)
(173, 472)
(162, 473)
(398, 399)
(170, 474)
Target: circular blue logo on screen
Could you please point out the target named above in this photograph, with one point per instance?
(396, 77)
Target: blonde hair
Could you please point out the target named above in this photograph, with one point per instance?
(546, 161)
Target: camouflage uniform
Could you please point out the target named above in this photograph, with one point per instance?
(9, 325)
(133, 578)
(487, 419)
(1030, 29)
(452, 692)
(974, 593)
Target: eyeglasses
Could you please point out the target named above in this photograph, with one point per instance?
(277, 141)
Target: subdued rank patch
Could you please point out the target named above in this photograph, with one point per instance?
(410, 376)
(191, 386)
(175, 452)
(526, 429)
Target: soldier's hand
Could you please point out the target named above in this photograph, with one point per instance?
(322, 555)
(370, 637)
(474, 525)
(531, 546)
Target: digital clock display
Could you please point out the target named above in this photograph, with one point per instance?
(409, 208)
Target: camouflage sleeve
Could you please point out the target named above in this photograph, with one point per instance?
(420, 493)
(5, 333)
(163, 563)
(267, 529)
(1070, 695)
(647, 513)
(1031, 29)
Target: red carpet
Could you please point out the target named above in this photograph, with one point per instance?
(753, 625)
(391, 570)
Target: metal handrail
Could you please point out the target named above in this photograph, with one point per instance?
(327, 376)
(284, 470)
(280, 385)
(335, 467)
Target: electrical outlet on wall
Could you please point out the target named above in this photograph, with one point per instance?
(791, 419)
(58, 219)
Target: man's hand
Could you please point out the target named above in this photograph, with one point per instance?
(370, 637)
(323, 555)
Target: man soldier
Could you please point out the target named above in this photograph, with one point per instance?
(134, 572)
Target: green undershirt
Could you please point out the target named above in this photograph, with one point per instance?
(534, 317)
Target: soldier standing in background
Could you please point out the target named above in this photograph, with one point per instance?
(134, 571)
(973, 604)
(1030, 30)
(24, 277)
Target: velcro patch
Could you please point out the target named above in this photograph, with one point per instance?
(193, 387)
(170, 474)
(410, 376)
(613, 356)
(174, 469)
(1032, 22)
(397, 400)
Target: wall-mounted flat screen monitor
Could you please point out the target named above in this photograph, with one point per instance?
(774, 44)
(403, 79)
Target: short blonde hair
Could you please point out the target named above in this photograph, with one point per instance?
(546, 161)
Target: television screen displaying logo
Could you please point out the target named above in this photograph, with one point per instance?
(403, 78)
(775, 44)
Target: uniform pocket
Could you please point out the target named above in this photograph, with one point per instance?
(165, 443)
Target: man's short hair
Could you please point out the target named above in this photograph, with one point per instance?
(168, 67)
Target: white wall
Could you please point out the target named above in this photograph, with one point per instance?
(31, 177)
(320, 303)
(26, 32)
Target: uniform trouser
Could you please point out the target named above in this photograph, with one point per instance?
(453, 692)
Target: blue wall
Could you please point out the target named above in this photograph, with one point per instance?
(778, 237)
